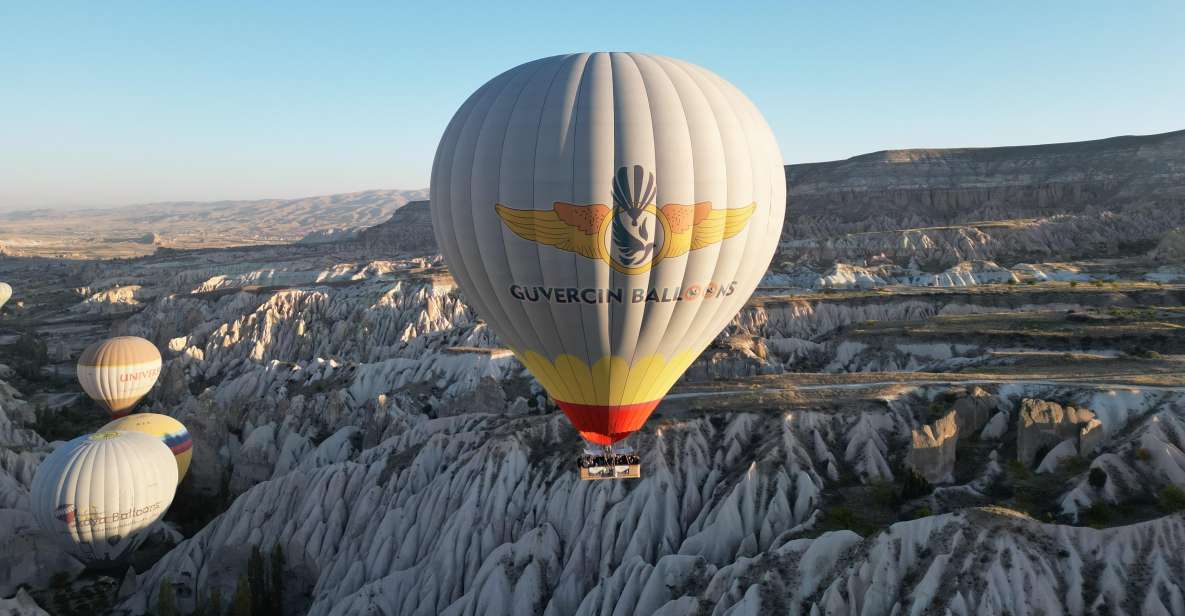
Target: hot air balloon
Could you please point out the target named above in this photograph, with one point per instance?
(98, 494)
(5, 293)
(170, 432)
(607, 214)
(117, 372)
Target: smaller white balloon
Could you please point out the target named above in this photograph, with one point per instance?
(118, 372)
(98, 494)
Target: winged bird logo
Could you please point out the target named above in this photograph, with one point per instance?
(633, 235)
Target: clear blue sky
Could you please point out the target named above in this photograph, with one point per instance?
(115, 103)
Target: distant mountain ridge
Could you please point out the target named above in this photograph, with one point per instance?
(919, 187)
(194, 224)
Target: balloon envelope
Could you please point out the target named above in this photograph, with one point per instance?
(608, 214)
(98, 494)
(117, 372)
(170, 432)
(5, 293)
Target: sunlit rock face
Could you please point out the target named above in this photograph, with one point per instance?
(1045, 424)
(932, 449)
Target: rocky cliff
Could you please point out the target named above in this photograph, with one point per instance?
(956, 186)
(1092, 198)
(409, 230)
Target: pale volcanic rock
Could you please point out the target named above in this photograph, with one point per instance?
(844, 276)
(1043, 423)
(116, 300)
(992, 561)
(21, 604)
(256, 458)
(996, 427)
(1065, 450)
(353, 558)
(974, 410)
(932, 449)
(30, 557)
(1060, 272)
(965, 274)
(408, 231)
(287, 276)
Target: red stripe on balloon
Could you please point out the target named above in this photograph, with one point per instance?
(606, 424)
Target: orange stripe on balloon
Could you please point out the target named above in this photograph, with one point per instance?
(605, 424)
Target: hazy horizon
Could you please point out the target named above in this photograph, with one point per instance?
(287, 197)
(177, 103)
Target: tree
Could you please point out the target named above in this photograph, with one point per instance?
(914, 486)
(276, 588)
(215, 603)
(256, 578)
(1097, 477)
(166, 601)
(240, 604)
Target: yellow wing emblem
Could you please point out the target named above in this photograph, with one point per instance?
(567, 226)
(695, 226)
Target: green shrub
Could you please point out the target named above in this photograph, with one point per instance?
(59, 579)
(841, 517)
(166, 601)
(1018, 470)
(884, 494)
(240, 603)
(1097, 478)
(914, 486)
(1172, 499)
(1098, 515)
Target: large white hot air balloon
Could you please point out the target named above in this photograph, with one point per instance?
(5, 293)
(98, 494)
(608, 214)
(117, 372)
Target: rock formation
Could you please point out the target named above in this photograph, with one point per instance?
(408, 231)
(958, 186)
(933, 446)
(1045, 424)
(932, 449)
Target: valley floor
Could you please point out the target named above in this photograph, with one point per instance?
(988, 448)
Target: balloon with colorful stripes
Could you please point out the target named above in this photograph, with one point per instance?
(170, 432)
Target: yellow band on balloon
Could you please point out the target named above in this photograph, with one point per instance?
(610, 380)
